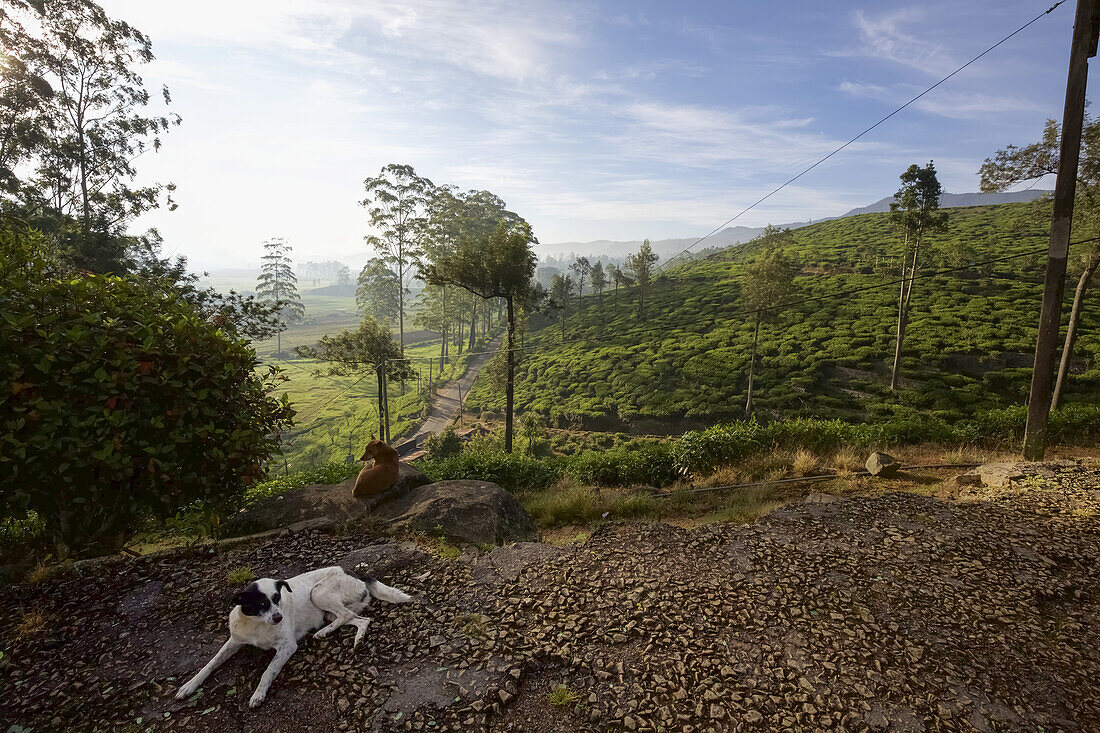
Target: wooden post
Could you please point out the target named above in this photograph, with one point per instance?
(1085, 27)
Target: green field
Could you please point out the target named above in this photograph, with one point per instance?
(337, 415)
(968, 347)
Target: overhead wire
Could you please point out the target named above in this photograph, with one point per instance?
(838, 149)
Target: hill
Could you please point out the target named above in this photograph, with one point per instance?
(968, 348)
(736, 235)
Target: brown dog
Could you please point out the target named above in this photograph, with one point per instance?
(381, 476)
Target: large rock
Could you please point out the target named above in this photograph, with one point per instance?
(328, 501)
(882, 464)
(472, 511)
(999, 475)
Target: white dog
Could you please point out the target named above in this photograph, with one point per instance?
(275, 614)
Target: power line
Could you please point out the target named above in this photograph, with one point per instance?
(791, 180)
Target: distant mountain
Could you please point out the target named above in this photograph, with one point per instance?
(736, 235)
(955, 200)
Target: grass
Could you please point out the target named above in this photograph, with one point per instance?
(240, 575)
(562, 695)
(337, 415)
(32, 622)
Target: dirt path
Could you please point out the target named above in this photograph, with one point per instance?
(447, 403)
(892, 612)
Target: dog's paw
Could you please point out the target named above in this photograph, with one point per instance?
(186, 691)
(320, 633)
(257, 699)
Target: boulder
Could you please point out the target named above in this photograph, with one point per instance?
(882, 464)
(333, 502)
(478, 512)
(999, 475)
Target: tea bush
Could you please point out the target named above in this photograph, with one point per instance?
(119, 402)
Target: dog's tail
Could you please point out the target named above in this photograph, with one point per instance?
(383, 592)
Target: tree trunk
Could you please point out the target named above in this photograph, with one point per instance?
(1071, 332)
(903, 302)
(510, 359)
(752, 366)
(473, 325)
(381, 405)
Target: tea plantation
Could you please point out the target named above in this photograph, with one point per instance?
(968, 346)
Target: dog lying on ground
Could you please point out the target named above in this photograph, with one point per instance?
(382, 475)
(275, 614)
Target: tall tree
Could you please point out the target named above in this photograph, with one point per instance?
(581, 267)
(915, 212)
(641, 265)
(397, 203)
(1011, 165)
(768, 282)
(561, 288)
(343, 275)
(598, 279)
(500, 266)
(277, 285)
(96, 127)
(25, 95)
(369, 348)
(378, 294)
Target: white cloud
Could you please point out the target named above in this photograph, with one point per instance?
(884, 36)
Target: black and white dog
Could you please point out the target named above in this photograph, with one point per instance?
(275, 614)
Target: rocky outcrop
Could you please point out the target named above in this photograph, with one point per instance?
(478, 512)
(329, 501)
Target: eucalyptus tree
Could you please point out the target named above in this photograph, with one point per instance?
(25, 95)
(1012, 164)
(497, 263)
(95, 128)
(561, 288)
(397, 204)
(915, 212)
(641, 265)
(598, 279)
(581, 267)
(377, 293)
(277, 285)
(768, 282)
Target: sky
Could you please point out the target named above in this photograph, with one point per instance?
(592, 120)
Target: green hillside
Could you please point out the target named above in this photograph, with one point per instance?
(968, 345)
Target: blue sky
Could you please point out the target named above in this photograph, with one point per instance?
(594, 120)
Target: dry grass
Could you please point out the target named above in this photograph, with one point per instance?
(846, 461)
(804, 463)
(32, 623)
(40, 572)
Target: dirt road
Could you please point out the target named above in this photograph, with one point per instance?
(447, 403)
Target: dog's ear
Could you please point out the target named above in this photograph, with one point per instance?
(282, 585)
(237, 599)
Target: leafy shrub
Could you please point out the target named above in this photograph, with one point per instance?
(652, 464)
(442, 445)
(119, 402)
(328, 473)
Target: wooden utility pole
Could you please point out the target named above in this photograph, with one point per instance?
(1085, 27)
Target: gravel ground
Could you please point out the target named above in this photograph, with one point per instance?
(891, 612)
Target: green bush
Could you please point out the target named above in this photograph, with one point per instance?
(119, 402)
(442, 445)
